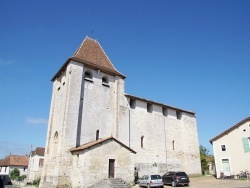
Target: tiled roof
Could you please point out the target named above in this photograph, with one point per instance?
(96, 142)
(157, 103)
(230, 129)
(38, 151)
(15, 160)
(91, 54)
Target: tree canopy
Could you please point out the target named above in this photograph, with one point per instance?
(204, 152)
(14, 173)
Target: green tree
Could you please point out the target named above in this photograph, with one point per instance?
(204, 152)
(14, 174)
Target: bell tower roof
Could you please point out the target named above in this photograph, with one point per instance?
(91, 54)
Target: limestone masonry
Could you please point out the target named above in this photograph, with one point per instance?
(96, 131)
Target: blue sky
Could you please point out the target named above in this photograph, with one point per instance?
(193, 55)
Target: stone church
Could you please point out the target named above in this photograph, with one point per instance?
(97, 131)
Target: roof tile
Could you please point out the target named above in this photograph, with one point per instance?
(91, 51)
(15, 160)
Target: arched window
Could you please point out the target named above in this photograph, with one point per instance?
(142, 141)
(97, 135)
(105, 81)
(88, 75)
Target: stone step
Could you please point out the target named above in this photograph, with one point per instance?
(118, 183)
(112, 183)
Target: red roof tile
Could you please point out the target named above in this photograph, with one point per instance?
(38, 151)
(91, 54)
(15, 160)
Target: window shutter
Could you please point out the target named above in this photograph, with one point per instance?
(245, 144)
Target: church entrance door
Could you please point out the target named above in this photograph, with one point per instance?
(111, 168)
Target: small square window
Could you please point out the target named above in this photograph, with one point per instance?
(132, 103)
(178, 114)
(149, 107)
(164, 111)
(223, 147)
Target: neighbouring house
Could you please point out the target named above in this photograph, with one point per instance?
(10, 162)
(232, 149)
(36, 159)
(98, 132)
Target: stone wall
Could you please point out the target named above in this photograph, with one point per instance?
(80, 108)
(91, 165)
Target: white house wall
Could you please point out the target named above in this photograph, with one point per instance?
(34, 170)
(238, 159)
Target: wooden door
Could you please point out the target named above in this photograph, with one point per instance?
(111, 168)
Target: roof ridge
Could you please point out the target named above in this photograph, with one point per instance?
(229, 129)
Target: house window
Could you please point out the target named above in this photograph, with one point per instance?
(41, 162)
(173, 144)
(246, 144)
(164, 111)
(149, 107)
(178, 114)
(88, 75)
(142, 137)
(223, 147)
(24, 169)
(105, 81)
(97, 135)
(132, 103)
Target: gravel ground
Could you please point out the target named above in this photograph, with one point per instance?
(211, 182)
(200, 182)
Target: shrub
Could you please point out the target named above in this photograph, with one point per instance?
(21, 178)
(14, 174)
(36, 182)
